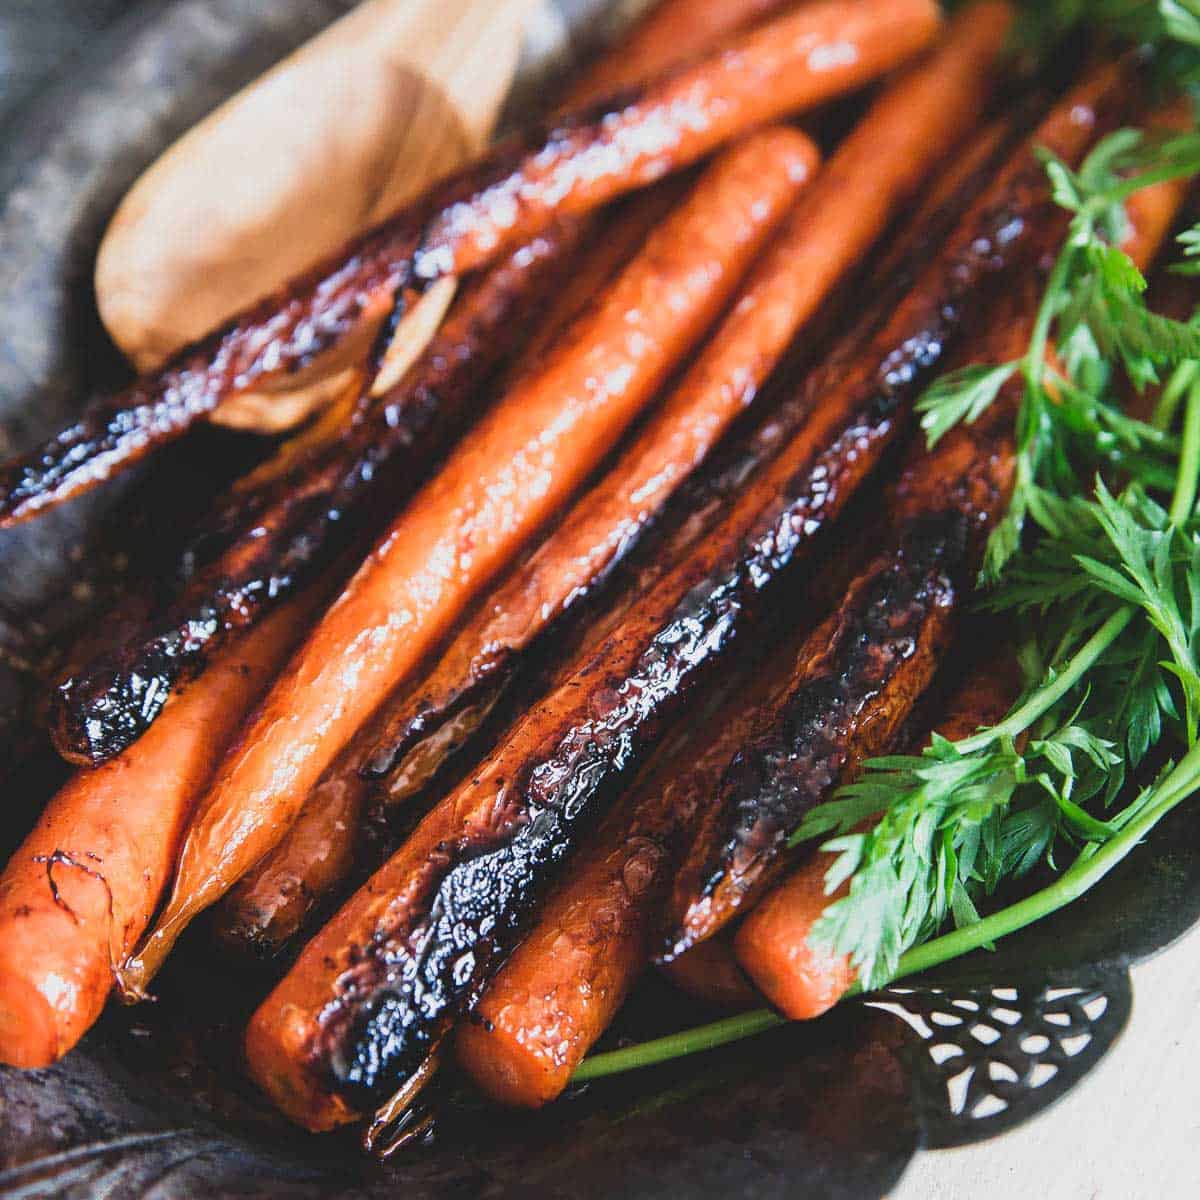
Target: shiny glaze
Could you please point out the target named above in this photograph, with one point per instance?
(570, 164)
(905, 133)
(312, 515)
(412, 950)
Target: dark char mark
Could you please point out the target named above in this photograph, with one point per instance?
(777, 777)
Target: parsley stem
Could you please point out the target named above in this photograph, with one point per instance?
(1049, 694)
(1184, 499)
(676, 1045)
(1182, 378)
(1080, 877)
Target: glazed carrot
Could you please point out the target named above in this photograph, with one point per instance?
(876, 169)
(804, 980)
(410, 952)
(83, 886)
(570, 165)
(269, 905)
(712, 974)
(507, 476)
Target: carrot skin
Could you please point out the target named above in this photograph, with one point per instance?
(503, 481)
(876, 170)
(81, 889)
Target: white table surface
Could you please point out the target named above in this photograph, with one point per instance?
(1129, 1131)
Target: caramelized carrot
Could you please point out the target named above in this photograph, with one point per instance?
(410, 952)
(270, 903)
(82, 887)
(571, 165)
(268, 906)
(803, 979)
(877, 168)
(503, 481)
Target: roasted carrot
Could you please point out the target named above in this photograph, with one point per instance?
(266, 908)
(270, 903)
(510, 473)
(906, 132)
(273, 531)
(342, 500)
(83, 886)
(712, 974)
(671, 32)
(772, 944)
(939, 99)
(570, 165)
(383, 981)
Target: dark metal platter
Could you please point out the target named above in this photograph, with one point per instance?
(153, 1102)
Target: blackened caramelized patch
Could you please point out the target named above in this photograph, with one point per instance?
(778, 777)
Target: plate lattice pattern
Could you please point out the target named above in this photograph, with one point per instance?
(991, 1057)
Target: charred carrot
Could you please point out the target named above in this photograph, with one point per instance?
(500, 484)
(408, 954)
(83, 886)
(570, 975)
(292, 533)
(903, 136)
(269, 905)
(804, 980)
(568, 166)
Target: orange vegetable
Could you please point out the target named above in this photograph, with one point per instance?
(83, 886)
(875, 171)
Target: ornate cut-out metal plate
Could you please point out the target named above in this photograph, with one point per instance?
(992, 1057)
(153, 1103)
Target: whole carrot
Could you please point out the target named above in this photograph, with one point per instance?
(875, 170)
(81, 889)
(503, 481)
